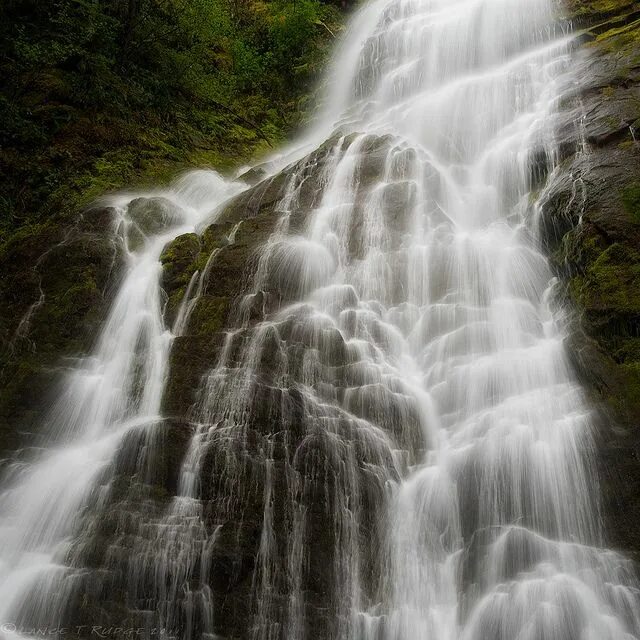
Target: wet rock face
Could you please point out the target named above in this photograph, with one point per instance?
(277, 465)
(153, 215)
(57, 282)
(591, 226)
(229, 255)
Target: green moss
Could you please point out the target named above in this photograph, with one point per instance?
(587, 7)
(21, 235)
(579, 247)
(625, 401)
(629, 31)
(173, 304)
(209, 316)
(611, 281)
(631, 201)
(178, 257)
(629, 350)
(623, 40)
(607, 291)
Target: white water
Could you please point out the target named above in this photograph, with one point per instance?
(418, 337)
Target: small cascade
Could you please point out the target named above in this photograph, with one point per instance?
(107, 397)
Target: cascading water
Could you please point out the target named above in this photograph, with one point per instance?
(392, 390)
(111, 394)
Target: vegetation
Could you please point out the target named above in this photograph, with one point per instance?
(595, 9)
(99, 93)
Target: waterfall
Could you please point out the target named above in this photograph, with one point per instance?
(391, 395)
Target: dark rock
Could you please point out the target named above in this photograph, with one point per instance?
(591, 231)
(254, 175)
(58, 279)
(153, 215)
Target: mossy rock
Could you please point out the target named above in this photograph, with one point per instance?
(57, 285)
(178, 261)
(155, 214)
(148, 217)
(590, 228)
(209, 315)
(610, 282)
(631, 201)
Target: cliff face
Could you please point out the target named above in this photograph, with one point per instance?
(591, 224)
(57, 281)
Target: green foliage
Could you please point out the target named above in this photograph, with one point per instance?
(98, 93)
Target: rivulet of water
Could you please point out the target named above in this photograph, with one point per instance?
(404, 410)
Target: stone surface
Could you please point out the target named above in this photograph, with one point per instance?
(57, 281)
(591, 228)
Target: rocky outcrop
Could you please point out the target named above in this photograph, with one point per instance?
(266, 462)
(269, 480)
(236, 238)
(591, 225)
(57, 281)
